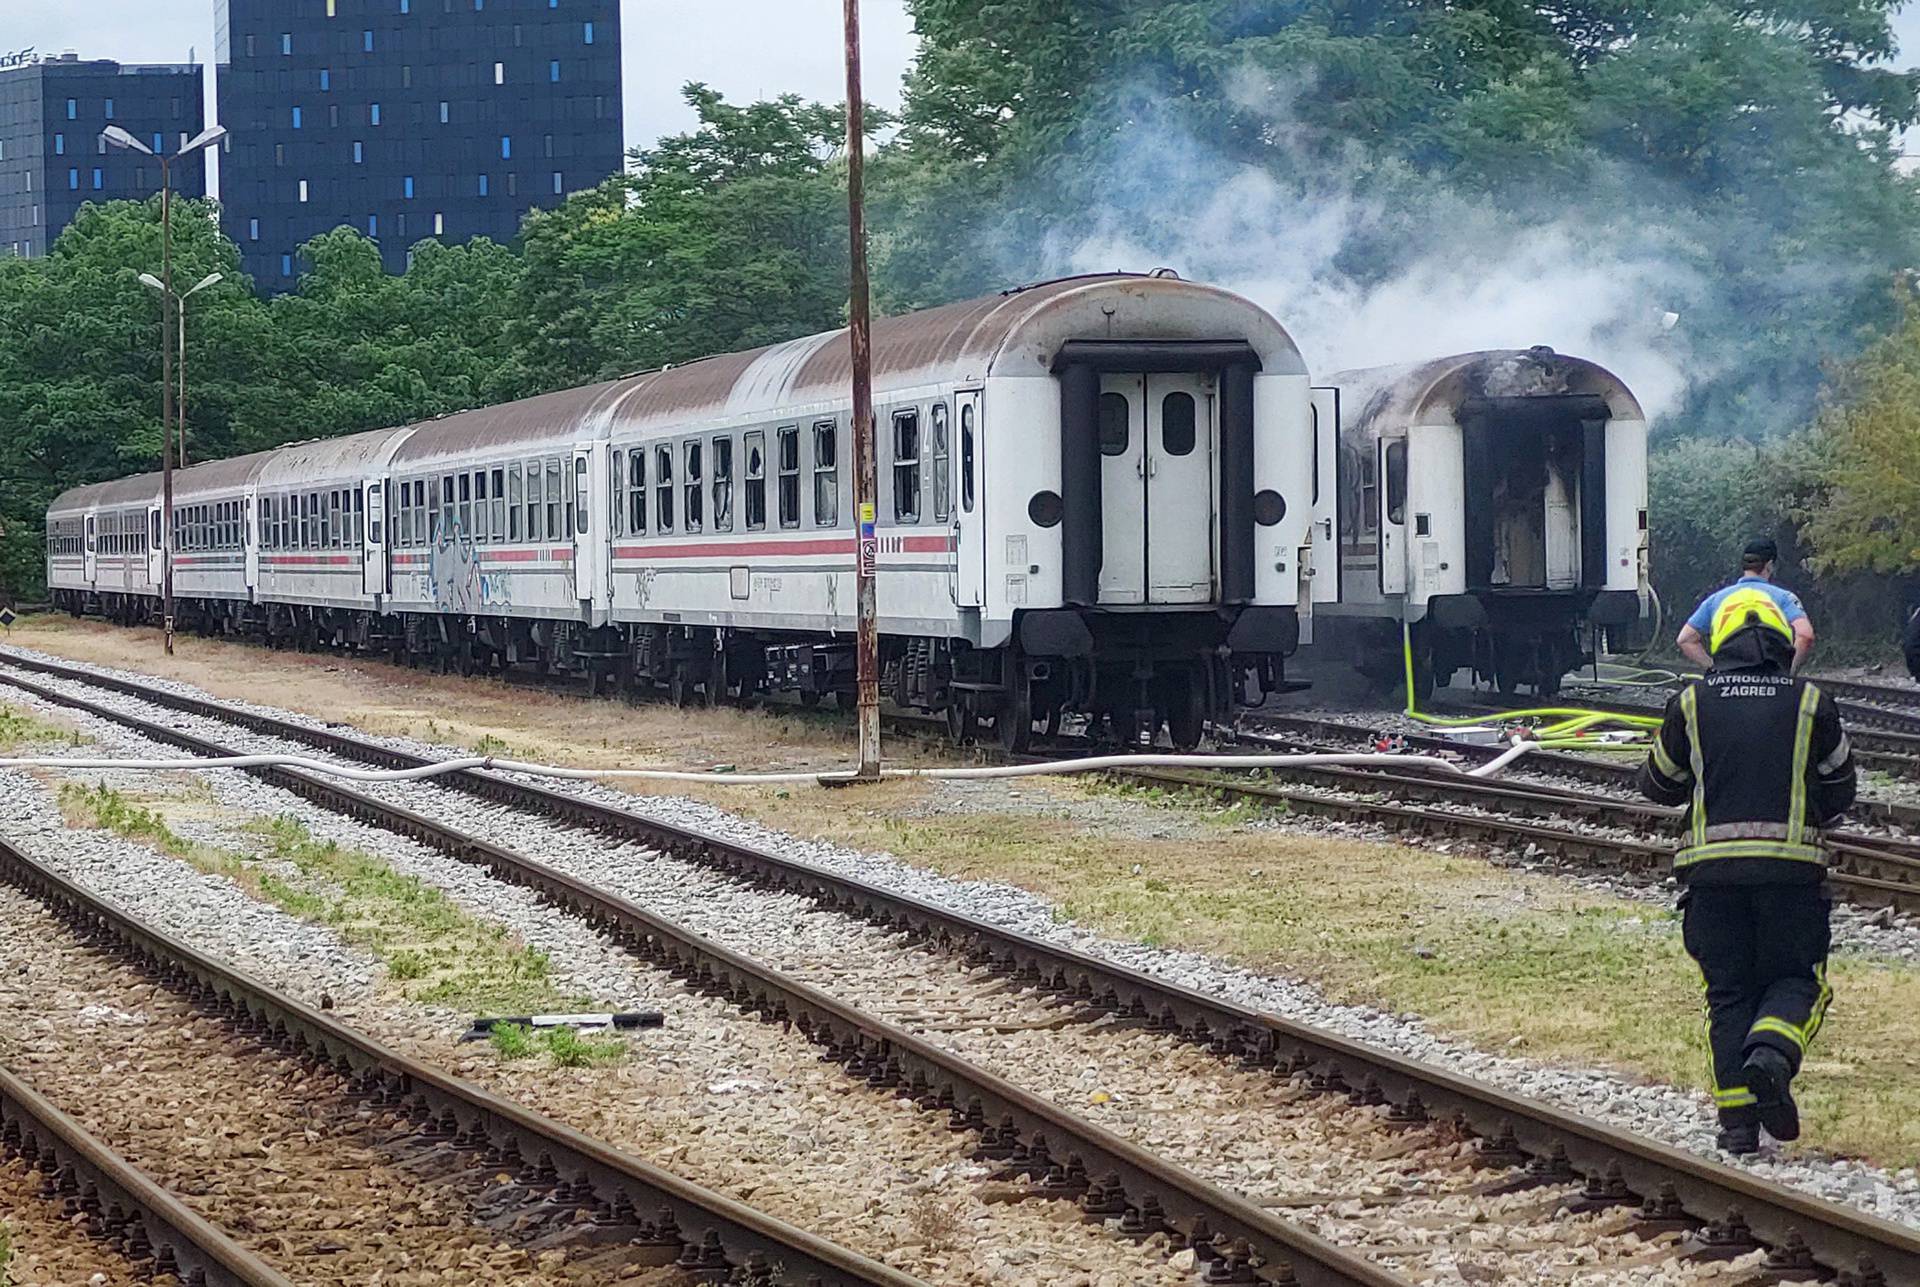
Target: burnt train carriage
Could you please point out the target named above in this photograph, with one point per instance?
(1496, 504)
(1096, 495)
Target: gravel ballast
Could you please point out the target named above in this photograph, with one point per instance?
(1661, 1112)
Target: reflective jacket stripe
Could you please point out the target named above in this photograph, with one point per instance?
(1802, 752)
(1694, 854)
(1690, 712)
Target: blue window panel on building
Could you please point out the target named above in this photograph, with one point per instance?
(286, 265)
(484, 184)
(109, 108)
(296, 118)
(359, 152)
(445, 113)
(159, 143)
(326, 78)
(405, 6)
(506, 147)
(373, 225)
(408, 187)
(553, 71)
(59, 145)
(366, 41)
(589, 32)
(286, 44)
(253, 230)
(98, 179)
(73, 180)
(559, 185)
(73, 109)
(373, 113)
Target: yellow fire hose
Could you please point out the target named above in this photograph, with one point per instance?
(1565, 731)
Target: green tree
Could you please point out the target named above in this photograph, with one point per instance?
(1868, 443)
(80, 365)
(729, 237)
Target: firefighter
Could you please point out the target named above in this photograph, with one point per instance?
(1763, 764)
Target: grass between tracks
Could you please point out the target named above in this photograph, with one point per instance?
(433, 950)
(20, 729)
(1524, 963)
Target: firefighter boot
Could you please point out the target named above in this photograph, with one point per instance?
(1770, 1077)
(1738, 1136)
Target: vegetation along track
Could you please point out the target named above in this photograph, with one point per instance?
(115, 1201)
(561, 1177)
(1615, 1166)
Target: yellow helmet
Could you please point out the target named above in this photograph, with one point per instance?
(1745, 608)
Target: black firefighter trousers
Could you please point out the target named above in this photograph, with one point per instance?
(1763, 951)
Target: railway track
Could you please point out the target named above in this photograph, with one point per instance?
(1730, 1209)
(149, 1226)
(559, 1175)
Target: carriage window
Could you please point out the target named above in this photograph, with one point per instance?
(691, 481)
(906, 467)
(480, 495)
(498, 527)
(516, 501)
(556, 501)
(789, 445)
(1397, 482)
(465, 511)
(756, 480)
(1116, 424)
(618, 527)
(1177, 428)
(637, 492)
(826, 473)
(663, 487)
(1369, 484)
(966, 458)
(942, 483)
(536, 506)
(447, 532)
(723, 484)
(360, 536)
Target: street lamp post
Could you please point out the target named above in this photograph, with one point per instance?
(115, 136)
(180, 354)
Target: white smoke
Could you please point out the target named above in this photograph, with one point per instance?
(1299, 236)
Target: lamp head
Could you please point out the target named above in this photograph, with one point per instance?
(148, 279)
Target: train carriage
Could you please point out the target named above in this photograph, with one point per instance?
(322, 536)
(102, 548)
(1493, 513)
(216, 559)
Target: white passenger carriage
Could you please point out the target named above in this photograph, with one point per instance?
(1109, 495)
(102, 548)
(1496, 503)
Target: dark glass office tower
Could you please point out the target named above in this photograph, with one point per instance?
(408, 119)
(51, 158)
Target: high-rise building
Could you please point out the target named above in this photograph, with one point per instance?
(408, 119)
(52, 161)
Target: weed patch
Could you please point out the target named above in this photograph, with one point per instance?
(563, 1046)
(18, 730)
(434, 950)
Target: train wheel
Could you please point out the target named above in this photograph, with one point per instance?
(959, 720)
(809, 700)
(716, 685)
(1013, 724)
(680, 687)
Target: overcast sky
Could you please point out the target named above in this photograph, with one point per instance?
(745, 48)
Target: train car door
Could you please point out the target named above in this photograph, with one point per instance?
(1123, 490)
(968, 581)
(250, 537)
(373, 550)
(1393, 515)
(1179, 473)
(90, 543)
(590, 486)
(1321, 559)
(156, 556)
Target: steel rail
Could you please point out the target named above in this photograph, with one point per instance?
(1261, 728)
(557, 1163)
(1618, 1166)
(1070, 1157)
(118, 1201)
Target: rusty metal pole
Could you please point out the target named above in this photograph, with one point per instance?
(166, 403)
(866, 483)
